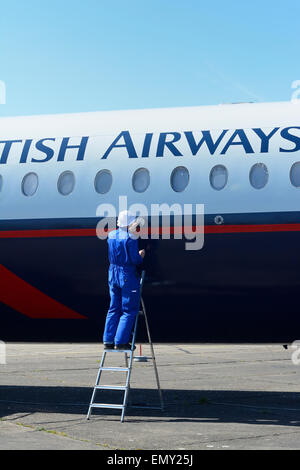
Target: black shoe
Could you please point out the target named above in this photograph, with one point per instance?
(122, 347)
(108, 345)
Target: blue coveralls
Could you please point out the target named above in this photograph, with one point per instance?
(124, 286)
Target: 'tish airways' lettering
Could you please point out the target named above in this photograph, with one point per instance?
(177, 144)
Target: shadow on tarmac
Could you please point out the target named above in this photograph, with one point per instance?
(265, 408)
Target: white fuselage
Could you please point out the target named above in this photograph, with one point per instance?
(123, 141)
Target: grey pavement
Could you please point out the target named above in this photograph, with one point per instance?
(216, 397)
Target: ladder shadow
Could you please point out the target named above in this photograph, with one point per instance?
(181, 405)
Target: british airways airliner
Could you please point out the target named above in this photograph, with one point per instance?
(241, 161)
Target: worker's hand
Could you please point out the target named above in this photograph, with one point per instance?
(142, 253)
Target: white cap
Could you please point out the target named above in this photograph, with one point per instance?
(125, 219)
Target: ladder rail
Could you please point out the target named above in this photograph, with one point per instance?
(153, 355)
(126, 393)
(96, 383)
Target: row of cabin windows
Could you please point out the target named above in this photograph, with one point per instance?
(179, 180)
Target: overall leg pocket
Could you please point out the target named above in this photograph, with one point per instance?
(130, 279)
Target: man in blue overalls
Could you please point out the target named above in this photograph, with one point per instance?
(124, 283)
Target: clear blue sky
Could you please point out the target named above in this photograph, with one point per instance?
(60, 56)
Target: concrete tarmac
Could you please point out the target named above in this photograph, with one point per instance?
(224, 397)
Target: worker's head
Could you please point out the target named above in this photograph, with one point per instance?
(125, 219)
(131, 223)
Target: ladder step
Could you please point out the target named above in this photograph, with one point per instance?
(107, 405)
(121, 369)
(128, 351)
(111, 387)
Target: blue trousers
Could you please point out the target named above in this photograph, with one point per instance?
(124, 306)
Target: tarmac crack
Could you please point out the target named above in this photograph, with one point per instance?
(233, 439)
(57, 433)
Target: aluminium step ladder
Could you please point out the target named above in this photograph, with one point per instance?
(126, 388)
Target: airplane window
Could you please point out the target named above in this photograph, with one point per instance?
(295, 174)
(218, 177)
(103, 181)
(66, 183)
(30, 184)
(179, 178)
(141, 180)
(259, 175)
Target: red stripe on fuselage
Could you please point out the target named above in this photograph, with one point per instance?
(48, 233)
(252, 228)
(87, 232)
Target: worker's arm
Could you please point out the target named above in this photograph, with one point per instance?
(135, 255)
